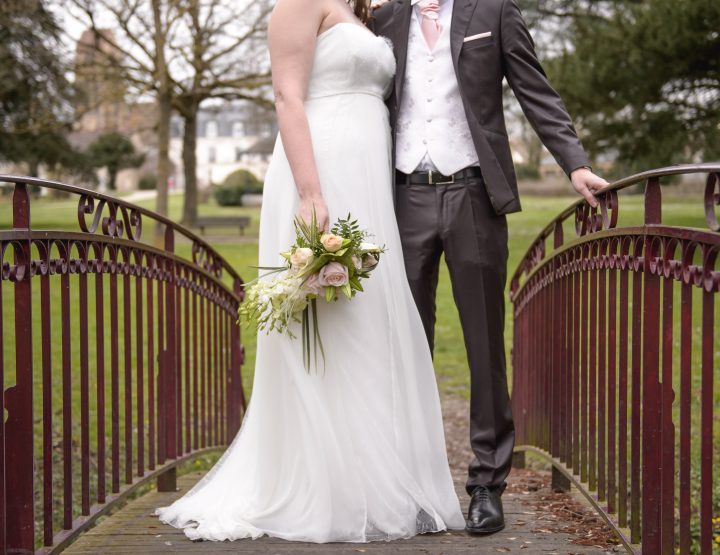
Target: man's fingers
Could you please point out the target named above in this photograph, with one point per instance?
(589, 197)
(597, 184)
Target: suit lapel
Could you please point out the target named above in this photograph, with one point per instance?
(462, 12)
(401, 24)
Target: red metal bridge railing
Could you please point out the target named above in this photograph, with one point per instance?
(615, 359)
(119, 359)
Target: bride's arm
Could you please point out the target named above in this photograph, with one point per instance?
(292, 33)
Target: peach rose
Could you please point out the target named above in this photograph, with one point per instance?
(333, 274)
(332, 243)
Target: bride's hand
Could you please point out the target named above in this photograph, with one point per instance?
(321, 212)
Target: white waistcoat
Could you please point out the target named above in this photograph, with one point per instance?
(432, 129)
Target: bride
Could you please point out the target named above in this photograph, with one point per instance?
(356, 453)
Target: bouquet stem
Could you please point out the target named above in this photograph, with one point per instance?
(311, 346)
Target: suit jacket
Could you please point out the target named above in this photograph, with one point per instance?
(480, 66)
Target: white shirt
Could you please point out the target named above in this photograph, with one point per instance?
(432, 129)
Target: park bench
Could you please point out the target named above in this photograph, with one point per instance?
(223, 221)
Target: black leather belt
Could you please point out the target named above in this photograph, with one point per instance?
(435, 178)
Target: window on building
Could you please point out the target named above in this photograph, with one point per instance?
(237, 129)
(211, 154)
(238, 153)
(211, 129)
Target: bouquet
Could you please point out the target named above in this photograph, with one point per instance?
(319, 266)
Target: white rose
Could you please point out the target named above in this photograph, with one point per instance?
(369, 247)
(301, 258)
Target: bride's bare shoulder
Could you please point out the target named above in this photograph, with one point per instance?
(294, 15)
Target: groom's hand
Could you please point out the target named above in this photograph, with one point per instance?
(378, 4)
(587, 184)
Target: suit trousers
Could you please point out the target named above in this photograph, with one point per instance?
(458, 220)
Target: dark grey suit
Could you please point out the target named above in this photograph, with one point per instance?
(466, 220)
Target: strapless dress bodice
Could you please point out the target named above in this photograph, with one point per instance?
(349, 59)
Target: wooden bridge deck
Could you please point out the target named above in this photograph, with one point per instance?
(531, 526)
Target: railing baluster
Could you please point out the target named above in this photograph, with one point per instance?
(114, 375)
(127, 378)
(178, 361)
(651, 413)
(196, 391)
(151, 374)
(592, 367)
(667, 465)
(84, 388)
(100, 369)
(46, 339)
(216, 372)
(612, 381)
(624, 342)
(167, 481)
(601, 371)
(706, 418)
(576, 368)
(187, 361)
(686, 394)
(203, 367)
(584, 370)
(66, 391)
(140, 370)
(635, 440)
(18, 450)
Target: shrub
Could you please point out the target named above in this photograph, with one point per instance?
(228, 195)
(245, 180)
(238, 183)
(526, 171)
(147, 183)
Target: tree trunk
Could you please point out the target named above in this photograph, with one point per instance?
(189, 155)
(112, 177)
(164, 101)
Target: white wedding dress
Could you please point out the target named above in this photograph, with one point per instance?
(355, 453)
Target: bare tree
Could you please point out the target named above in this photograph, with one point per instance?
(132, 38)
(184, 52)
(221, 54)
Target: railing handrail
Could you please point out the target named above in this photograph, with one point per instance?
(613, 188)
(83, 191)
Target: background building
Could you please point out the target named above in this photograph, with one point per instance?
(231, 136)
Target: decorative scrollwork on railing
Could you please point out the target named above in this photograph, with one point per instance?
(129, 220)
(206, 259)
(14, 272)
(605, 216)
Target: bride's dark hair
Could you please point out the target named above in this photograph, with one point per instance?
(361, 9)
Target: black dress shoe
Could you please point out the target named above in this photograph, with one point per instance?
(485, 515)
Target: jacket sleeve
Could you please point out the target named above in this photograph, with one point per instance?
(540, 103)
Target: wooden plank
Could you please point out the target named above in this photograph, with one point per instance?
(134, 530)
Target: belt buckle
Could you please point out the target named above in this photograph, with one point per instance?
(433, 182)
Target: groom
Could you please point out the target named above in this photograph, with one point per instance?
(455, 183)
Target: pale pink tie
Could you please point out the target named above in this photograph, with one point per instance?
(431, 28)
